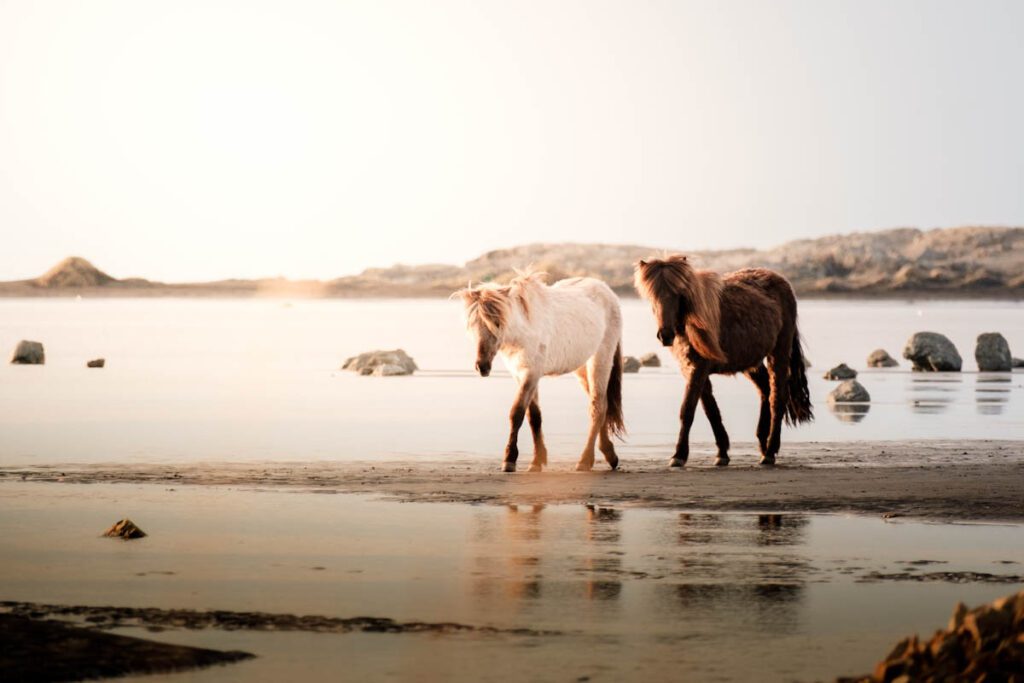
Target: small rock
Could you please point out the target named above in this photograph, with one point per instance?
(850, 391)
(650, 360)
(880, 358)
(993, 353)
(97, 363)
(932, 352)
(366, 363)
(630, 364)
(1018, 362)
(29, 353)
(125, 529)
(841, 371)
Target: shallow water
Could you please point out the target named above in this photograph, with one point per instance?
(258, 380)
(639, 593)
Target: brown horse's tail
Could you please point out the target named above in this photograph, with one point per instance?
(799, 408)
(613, 417)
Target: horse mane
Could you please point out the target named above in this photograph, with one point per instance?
(673, 275)
(491, 304)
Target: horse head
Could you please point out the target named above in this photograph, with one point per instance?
(686, 302)
(487, 314)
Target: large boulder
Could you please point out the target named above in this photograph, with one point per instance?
(367, 363)
(650, 360)
(28, 353)
(841, 371)
(932, 352)
(880, 358)
(993, 353)
(850, 391)
(630, 364)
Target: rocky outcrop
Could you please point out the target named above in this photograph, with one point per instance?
(28, 353)
(850, 391)
(74, 272)
(983, 644)
(126, 529)
(880, 358)
(993, 353)
(841, 371)
(381, 363)
(96, 363)
(932, 352)
(650, 360)
(631, 364)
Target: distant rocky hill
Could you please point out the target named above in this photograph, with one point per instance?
(960, 262)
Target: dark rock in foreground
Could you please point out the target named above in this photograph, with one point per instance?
(650, 360)
(880, 358)
(932, 352)
(28, 353)
(984, 644)
(850, 391)
(841, 371)
(97, 363)
(381, 363)
(44, 650)
(993, 353)
(125, 529)
(631, 364)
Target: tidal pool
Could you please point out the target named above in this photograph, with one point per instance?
(628, 592)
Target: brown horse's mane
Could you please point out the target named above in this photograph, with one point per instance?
(674, 276)
(491, 305)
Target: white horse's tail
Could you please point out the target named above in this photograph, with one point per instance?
(613, 418)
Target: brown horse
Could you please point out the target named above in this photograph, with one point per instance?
(725, 325)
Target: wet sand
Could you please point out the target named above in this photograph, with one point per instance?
(943, 481)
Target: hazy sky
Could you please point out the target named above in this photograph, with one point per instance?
(197, 140)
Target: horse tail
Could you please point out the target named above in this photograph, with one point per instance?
(799, 408)
(613, 417)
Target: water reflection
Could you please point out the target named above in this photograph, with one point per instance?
(850, 412)
(992, 393)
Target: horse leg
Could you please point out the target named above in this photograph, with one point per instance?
(540, 451)
(759, 376)
(608, 448)
(707, 399)
(778, 364)
(523, 398)
(597, 384)
(694, 389)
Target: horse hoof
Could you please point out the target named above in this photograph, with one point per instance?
(536, 468)
(583, 467)
(721, 461)
(768, 460)
(614, 463)
(676, 462)
(508, 467)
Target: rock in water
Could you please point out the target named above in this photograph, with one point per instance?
(29, 353)
(993, 353)
(983, 644)
(850, 391)
(367, 363)
(125, 529)
(630, 364)
(932, 352)
(1018, 362)
(98, 363)
(841, 371)
(880, 358)
(650, 360)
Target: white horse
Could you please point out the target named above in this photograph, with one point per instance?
(574, 325)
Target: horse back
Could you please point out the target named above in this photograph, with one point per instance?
(757, 306)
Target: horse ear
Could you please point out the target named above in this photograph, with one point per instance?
(641, 263)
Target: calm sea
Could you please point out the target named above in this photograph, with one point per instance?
(202, 379)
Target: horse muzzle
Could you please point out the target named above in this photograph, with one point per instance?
(483, 368)
(666, 337)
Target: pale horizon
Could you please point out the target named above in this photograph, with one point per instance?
(205, 140)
